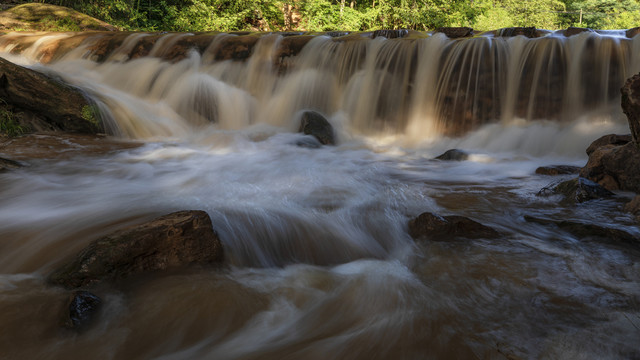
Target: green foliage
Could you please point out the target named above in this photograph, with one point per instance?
(356, 15)
(605, 14)
(9, 125)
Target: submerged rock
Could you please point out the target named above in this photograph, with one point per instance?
(171, 241)
(6, 164)
(588, 231)
(441, 228)
(83, 309)
(553, 170)
(630, 102)
(314, 123)
(577, 190)
(453, 155)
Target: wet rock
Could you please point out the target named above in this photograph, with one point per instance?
(236, 48)
(530, 32)
(575, 31)
(630, 102)
(171, 241)
(308, 141)
(453, 155)
(615, 167)
(64, 106)
(588, 231)
(390, 34)
(577, 190)
(455, 32)
(553, 170)
(7, 164)
(441, 228)
(314, 123)
(83, 308)
(632, 32)
(633, 207)
(611, 139)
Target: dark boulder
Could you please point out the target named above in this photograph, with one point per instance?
(66, 107)
(577, 190)
(83, 308)
(441, 228)
(453, 155)
(615, 167)
(630, 102)
(314, 123)
(171, 241)
(554, 170)
(611, 139)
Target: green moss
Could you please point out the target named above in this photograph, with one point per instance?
(9, 125)
(89, 113)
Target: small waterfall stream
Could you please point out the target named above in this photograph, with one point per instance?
(321, 265)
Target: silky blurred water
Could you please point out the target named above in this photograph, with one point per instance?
(320, 263)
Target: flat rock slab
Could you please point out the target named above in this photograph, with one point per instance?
(553, 170)
(171, 241)
(441, 228)
(60, 146)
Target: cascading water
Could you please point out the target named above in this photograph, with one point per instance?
(321, 263)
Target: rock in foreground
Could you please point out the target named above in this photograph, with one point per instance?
(441, 228)
(616, 167)
(82, 309)
(577, 190)
(171, 241)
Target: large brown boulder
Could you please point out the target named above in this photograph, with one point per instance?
(616, 167)
(441, 228)
(631, 105)
(171, 241)
(65, 107)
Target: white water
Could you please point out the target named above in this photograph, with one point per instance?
(321, 265)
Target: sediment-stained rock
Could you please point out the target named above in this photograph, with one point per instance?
(442, 228)
(171, 241)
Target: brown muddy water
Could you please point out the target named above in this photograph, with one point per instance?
(320, 264)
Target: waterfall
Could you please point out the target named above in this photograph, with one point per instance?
(422, 85)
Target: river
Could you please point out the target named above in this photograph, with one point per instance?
(320, 264)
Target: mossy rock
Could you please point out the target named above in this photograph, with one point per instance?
(47, 17)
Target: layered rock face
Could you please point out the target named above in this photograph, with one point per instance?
(62, 106)
(614, 160)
